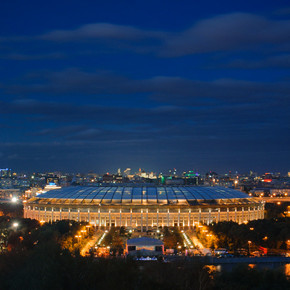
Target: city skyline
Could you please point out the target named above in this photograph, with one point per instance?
(98, 86)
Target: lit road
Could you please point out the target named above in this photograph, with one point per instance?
(192, 235)
(91, 242)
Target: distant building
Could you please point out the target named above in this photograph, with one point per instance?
(9, 193)
(174, 181)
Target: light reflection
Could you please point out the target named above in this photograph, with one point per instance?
(252, 266)
(287, 270)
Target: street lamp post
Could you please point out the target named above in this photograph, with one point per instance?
(249, 243)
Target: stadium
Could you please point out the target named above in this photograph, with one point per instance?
(144, 207)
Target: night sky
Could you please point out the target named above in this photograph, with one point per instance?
(98, 85)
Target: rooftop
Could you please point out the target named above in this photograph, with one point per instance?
(141, 195)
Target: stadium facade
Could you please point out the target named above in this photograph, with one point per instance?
(145, 207)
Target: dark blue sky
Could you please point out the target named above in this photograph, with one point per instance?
(97, 85)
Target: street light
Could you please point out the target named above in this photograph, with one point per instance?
(15, 225)
(78, 237)
(249, 242)
(14, 199)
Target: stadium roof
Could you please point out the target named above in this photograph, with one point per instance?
(141, 195)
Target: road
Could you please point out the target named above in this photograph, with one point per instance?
(192, 235)
(91, 242)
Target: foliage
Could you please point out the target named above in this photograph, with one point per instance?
(274, 210)
(42, 261)
(268, 233)
(14, 210)
(114, 239)
(172, 238)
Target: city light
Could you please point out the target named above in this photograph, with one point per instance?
(188, 242)
(101, 239)
(14, 199)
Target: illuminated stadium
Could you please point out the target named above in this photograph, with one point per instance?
(144, 207)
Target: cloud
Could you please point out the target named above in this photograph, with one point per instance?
(165, 89)
(277, 61)
(234, 31)
(20, 56)
(283, 11)
(226, 32)
(101, 31)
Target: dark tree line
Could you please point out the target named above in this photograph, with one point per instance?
(39, 260)
(268, 233)
(48, 266)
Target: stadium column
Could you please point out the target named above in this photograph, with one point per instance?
(243, 214)
(249, 213)
(109, 218)
(131, 217)
(52, 214)
(199, 215)
(219, 214)
(99, 213)
(235, 214)
(45, 214)
(147, 219)
(60, 210)
(168, 217)
(89, 216)
(78, 215)
(38, 213)
(228, 213)
(189, 213)
(178, 217)
(209, 216)
(157, 218)
(120, 217)
(141, 220)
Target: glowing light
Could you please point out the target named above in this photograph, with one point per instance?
(101, 239)
(14, 199)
